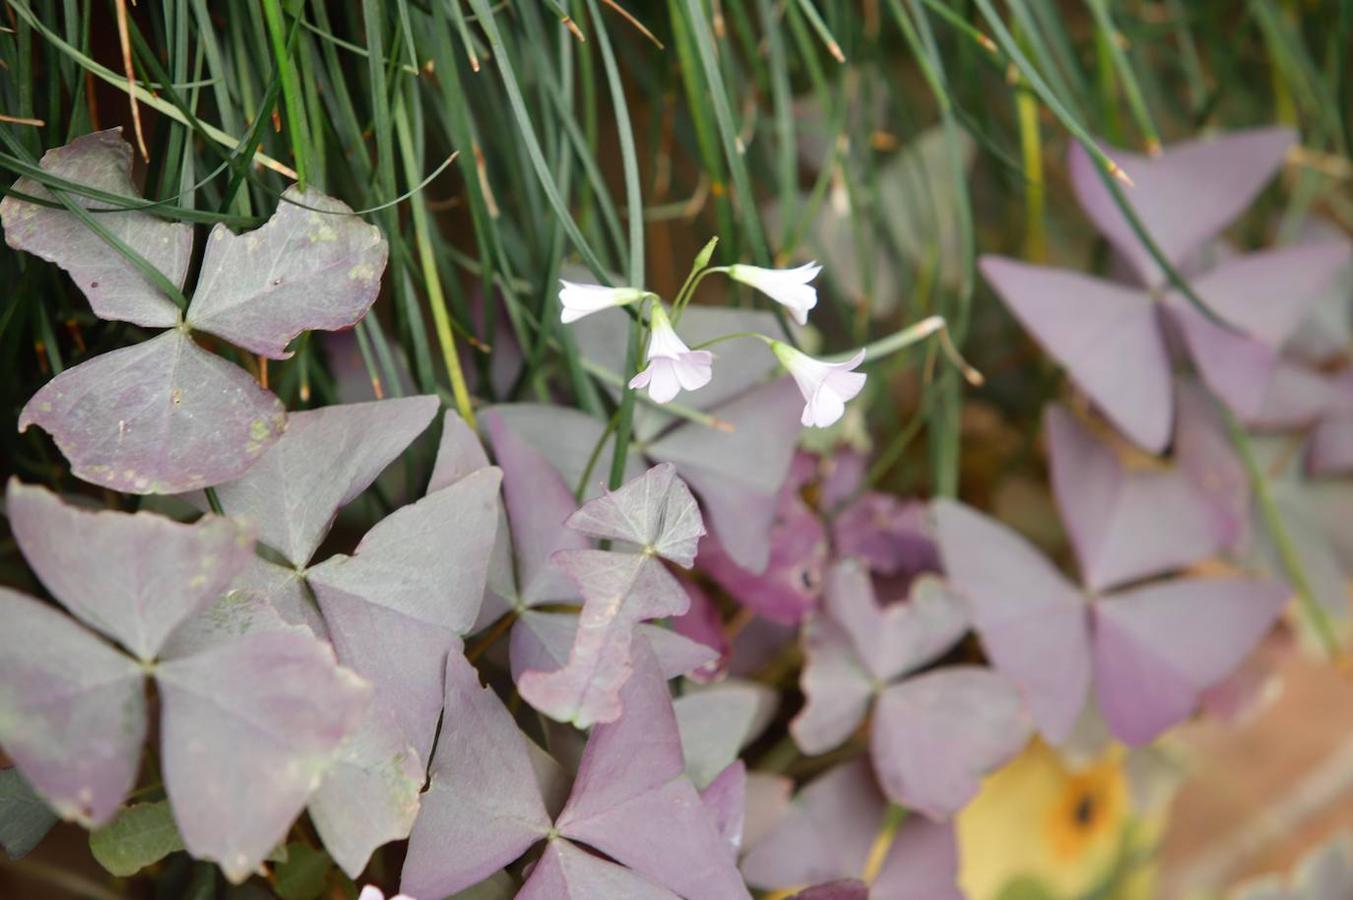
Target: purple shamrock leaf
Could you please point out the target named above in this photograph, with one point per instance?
(324, 460)
(737, 468)
(725, 802)
(830, 830)
(393, 610)
(115, 288)
(1126, 520)
(1184, 196)
(1203, 452)
(250, 719)
(564, 872)
(162, 416)
(399, 604)
(1150, 651)
(1090, 326)
(165, 571)
(658, 515)
(738, 473)
(890, 534)
(539, 504)
(788, 587)
(73, 712)
(717, 722)
(305, 268)
(630, 800)
(249, 728)
(935, 735)
(165, 416)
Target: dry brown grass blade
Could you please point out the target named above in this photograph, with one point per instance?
(125, 40)
(639, 26)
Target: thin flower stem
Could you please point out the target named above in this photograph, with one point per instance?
(624, 427)
(490, 637)
(683, 297)
(1315, 614)
(733, 336)
(913, 334)
(214, 501)
(441, 317)
(878, 852)
(581, 490)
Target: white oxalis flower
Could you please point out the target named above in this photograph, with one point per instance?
(579, 300)
(826, 386)
(788, 287)
(672, 366)
(371, 892)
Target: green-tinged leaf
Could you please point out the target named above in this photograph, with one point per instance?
(24, 818)
(302, 876)
(141, 834)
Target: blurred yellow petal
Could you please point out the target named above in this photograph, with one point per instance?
(1040, 820)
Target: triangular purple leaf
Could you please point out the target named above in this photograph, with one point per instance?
(248, 729)
(900, 637)
(935, 736)
(1184, 197)
(837, 688)
(303, 269)
(1268, 293)
(565, 872)
(619, 591)
(162, 416)
(1125, 523)
(738, 473)
(398, 605)
(656, 513)
(632, 800)
(459, 453)
(134, 577)
(324, 460)
(369, 794)
(72, 713)
(538, 504)
(725, 802)
(116, 289)
(1033, 623)
(483, 808)
(717, 722)
(1158, 647)
(1092, 327)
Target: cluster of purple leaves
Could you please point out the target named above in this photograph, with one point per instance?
(343, 686)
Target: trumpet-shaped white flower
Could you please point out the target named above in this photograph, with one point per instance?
(672, 366)
(788, 287)
(580, 300)
(825, 386)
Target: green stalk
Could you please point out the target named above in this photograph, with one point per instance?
(441, 319)
(1282, 540)
(291, 91)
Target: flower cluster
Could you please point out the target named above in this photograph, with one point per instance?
(674, 367)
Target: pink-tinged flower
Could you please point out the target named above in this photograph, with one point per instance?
(580, 300)
(371, 892)
(788, 287)
(826, 386)
(672, 366)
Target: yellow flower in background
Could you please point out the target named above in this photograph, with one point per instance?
(1039, 820)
